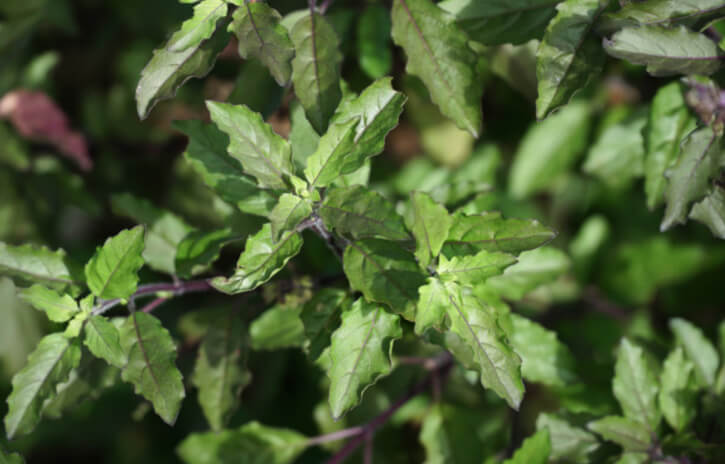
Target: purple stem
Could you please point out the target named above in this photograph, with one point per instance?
(176, 289)
(153, 305)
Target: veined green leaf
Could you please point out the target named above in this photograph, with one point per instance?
(663, 13)
(629, 434)
(669, 121)
(360, 353)
(698, 349)
(321, 317)
(569, 54)
(151, 369)
(665, 51)
(549, 149)
(168, 69)
(711, 212)
(58, 308)
(491, 232)
(635, 385)
(263, 154)
(104, 341)
(290, 211)
(689, 179)
(385, 273)
(329, 161)
(207, 153)
(261, 260)
(112, 272)
(568, 442)
(260, 34)
(430, 223)
(359, 212)
(220, 373)
(253, 443)
(277, 327)
(36, 264)
(199, 27)
(437, 52)
(534, 450)
(496, 22)
(199, 249)
(373, 41)
(446, 436)
(474, 269)
(49, 365)
(316, 68)
(534, 269)
(678, 391)
(164, 230)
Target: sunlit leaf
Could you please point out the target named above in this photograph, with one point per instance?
(103, 340)
(635, 385)
(429, 222)
(711, 212)
(678, 391)
(629, 434)
(290, 211)
(58, 307)
(199, 27)
(698, 349)
(31, 263)
(112, 272)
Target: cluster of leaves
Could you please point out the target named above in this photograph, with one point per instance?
(421, 267)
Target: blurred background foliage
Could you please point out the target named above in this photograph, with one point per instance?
(609, 272)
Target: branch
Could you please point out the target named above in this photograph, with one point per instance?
(175, 289)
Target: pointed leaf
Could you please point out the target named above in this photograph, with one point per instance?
(711, 212)
(330, 160)
(276, 328)
(58, 308)
(261, 36)
(430, 223)
(151, 369)
(385, 273)
(261, 260)
(630, 435)
(263, 154)
(568, 443)
(569, 54)
(678, 393)
(199, 27)
(36, 264)
(359, 212)
(104, 341)
(669, 122)
(253, 443)
(48, 366)
(689, 179)
(534, 450)
(665, 51)
(534, 269)
(220, 373)
(290, 211)
(199, 249)
(698, 349)
(502, 21)
(321, 317)
(316, 68)
(474, 269)
(663, 13)
(635, 385)
(437, 52)
(112, 272)
(360, 353)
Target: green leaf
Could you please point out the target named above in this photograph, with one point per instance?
(10, 458)
(617, 157)
(711, 212)
(534, 450)
(568, 442)
(49, 365)
(150, 369)
(360, 353)
(491, 232)
(164, 230)
(168, 69)
(678, 391)
(473, 269)
(544, 359)
(253, 443)
(569, 54)
(385, 273)
(263, 257)
(330, 159)
(290, 211)
(220, 373)
(104, 341)
(665, 51)
(316, 68)
(630, 435)
(261, 36)
(689, 179)
(549, 149)
(199, 27)
(199, 249)
(446, 436)
(359, 212)
(663, 13)
(534, 269)
(263, 154)
(669, 121)
(373, 41)
(437, 52)
(635, 385)
(698, 349)
(32, 263)
(277, 327)
(207, 153)
(430, 223)
(321, 317)
(58, 308)
(112, 272)
(500, 22)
